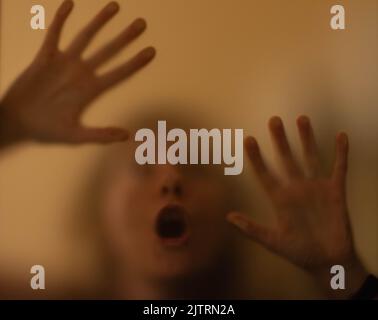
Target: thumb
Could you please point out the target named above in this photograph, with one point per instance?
(100, 135)
(261, 234)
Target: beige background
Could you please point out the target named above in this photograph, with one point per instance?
(240, 61)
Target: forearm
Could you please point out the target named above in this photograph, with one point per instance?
(355, 275)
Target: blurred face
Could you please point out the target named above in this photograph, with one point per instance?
(166, 221)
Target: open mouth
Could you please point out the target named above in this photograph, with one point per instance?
(171, 225)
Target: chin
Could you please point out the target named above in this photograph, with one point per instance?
(179, 269)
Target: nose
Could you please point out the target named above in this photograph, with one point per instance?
(171, 182)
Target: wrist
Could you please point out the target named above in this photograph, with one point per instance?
(355, 275)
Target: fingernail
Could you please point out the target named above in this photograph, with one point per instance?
(122, 136)
(67, 6)
(240, 223)
(118, 134)
(149, 53)
(303, 120)
(139, 24)
(343, 138)
(275, 122)
(112, 7)
(250, 142)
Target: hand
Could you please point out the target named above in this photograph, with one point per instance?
(313, 230)
(46, 101)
